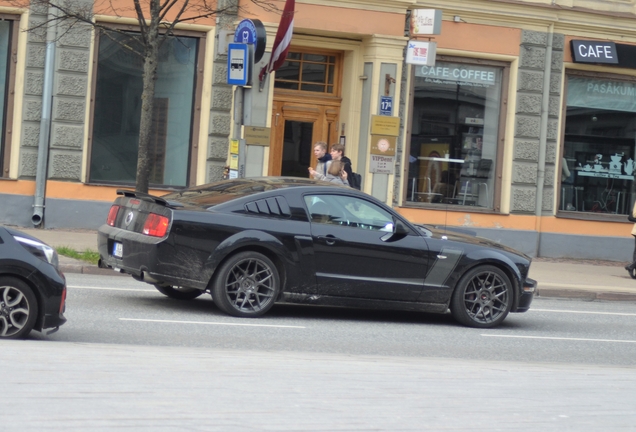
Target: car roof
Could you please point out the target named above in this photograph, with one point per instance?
(216, 193)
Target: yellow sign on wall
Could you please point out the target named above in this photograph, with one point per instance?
(234, 146)
(384, 125)
(256, 135)
(234, 162)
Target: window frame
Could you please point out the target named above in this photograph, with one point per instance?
(9, 102)
(579, 215)
(195, 126)
(337, 78)
(501, 138)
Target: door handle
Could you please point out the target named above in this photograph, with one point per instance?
(329, 239)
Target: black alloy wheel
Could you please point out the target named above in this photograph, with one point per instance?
(246, 285)
(18, 308)
(179, 293)
(483, 297)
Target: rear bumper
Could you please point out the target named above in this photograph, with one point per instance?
(528, 290)
(147, 259)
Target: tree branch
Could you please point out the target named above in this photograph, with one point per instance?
(142, 22)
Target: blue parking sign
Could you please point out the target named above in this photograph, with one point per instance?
(386, 105)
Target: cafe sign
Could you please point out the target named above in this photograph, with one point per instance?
(586, 51)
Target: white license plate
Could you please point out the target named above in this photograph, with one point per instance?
(118, 250)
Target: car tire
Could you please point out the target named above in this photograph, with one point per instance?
(18, 308)
(180, 293)
(246, 285)
(483, 297)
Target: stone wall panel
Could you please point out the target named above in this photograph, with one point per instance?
(73, 60)
(32, 110)
(220, 123)
(72, 85)
(526, 150)
(33, 82)
(531, 81)
(65, 135)
(524, 173)
(529, 104)
(222, 97)
(65, 166)
(69, 109)
(35, 56)
(528, 126)
(28, 163)
(524, 199)
(31, 134)
(532, 57)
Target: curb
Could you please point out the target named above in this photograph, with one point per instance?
(585, 295)
(88, 269)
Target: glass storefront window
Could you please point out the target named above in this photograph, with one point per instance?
(117, 112)
(454, 134)
(597, 173)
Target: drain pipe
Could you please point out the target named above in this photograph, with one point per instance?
(543, 137)
(45, 121)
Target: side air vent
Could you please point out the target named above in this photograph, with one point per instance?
(276, 206)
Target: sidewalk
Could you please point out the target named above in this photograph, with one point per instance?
(563, 278)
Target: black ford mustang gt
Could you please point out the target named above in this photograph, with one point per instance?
(254, 242)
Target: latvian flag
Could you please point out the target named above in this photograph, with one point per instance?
(281, 42)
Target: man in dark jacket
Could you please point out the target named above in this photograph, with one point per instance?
(337, 153)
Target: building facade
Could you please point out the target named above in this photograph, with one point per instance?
(521, 132)
(532, 103)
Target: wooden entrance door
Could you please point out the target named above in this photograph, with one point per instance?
(298, 123)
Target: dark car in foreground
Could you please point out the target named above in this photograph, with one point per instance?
(251, 243)
(32, 288)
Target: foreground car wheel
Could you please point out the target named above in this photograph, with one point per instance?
(246, 285)
(483, 297)
(179, 293)
(18, 308)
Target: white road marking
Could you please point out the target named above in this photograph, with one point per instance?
(560, 338)
(582, 312)
(210, 323)
(109, 288)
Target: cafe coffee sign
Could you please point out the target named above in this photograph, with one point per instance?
(453, 73)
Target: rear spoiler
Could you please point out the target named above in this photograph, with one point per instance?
(148, 198)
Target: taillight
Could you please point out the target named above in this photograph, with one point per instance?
(112, 215)
(156, 225)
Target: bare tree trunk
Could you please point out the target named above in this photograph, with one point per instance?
(151, 58)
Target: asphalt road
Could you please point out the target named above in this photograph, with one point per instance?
(130, 359)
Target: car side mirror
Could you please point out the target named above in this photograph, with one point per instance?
(399, 232)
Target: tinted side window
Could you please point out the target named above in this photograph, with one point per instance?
(348, 211)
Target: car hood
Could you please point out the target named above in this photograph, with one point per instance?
(466, 236)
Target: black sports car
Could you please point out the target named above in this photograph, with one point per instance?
(32, 288)
(254, 242)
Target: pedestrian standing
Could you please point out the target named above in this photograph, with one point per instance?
(335, 173)
(324, 159)
(337, 153)
(631, 269)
